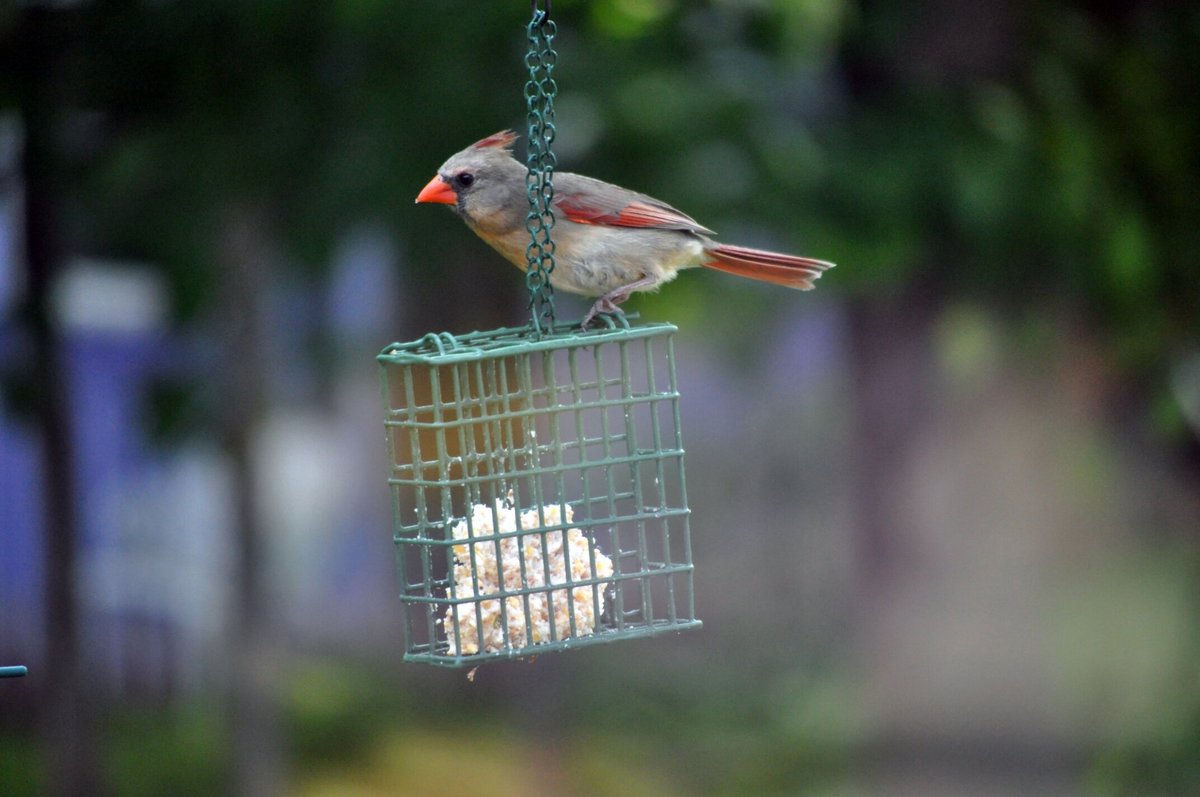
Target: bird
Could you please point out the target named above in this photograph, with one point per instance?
(609, 242)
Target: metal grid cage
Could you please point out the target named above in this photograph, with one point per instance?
(538, 491)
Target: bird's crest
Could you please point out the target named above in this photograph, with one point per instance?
(503, 140)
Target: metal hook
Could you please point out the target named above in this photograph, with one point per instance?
(544, 15)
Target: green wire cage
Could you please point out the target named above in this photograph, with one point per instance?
(538, 491)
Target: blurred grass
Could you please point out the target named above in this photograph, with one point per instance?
(355, 732)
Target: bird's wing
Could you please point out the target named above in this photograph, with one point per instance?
(584, 200)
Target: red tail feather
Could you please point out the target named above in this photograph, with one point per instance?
(787, 270)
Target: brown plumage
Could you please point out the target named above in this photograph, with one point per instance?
(609, 241)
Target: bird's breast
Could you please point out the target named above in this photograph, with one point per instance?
(592, 260)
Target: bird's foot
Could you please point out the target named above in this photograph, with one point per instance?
(602, 305)
(609, 302)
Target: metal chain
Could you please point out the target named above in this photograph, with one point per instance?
(540, 160)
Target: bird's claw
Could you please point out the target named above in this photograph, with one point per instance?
(602, 305)
(609, 302)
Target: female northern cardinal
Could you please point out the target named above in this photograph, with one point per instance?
(608, 241)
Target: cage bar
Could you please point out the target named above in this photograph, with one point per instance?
(538, 492)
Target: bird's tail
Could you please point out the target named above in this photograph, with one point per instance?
(787, 270)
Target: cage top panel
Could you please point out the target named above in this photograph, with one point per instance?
(443, 348)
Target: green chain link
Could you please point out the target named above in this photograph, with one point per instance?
(540, 160)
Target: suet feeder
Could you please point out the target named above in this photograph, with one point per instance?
(536, 473)
(538, 491)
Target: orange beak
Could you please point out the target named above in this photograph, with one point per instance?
(438, 190)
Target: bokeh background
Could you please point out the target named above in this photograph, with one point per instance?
(946, 507)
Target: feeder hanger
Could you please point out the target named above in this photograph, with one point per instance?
(540, 160)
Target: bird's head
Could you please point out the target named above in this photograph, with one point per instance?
(483, 183)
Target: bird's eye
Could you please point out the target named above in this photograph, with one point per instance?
(464, 179)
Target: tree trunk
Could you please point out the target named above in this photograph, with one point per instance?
(256, 748)
(69, 715)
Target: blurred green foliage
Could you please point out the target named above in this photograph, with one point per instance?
(1043, 157)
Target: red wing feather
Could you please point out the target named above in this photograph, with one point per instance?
(635, 214)
(616, 207)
